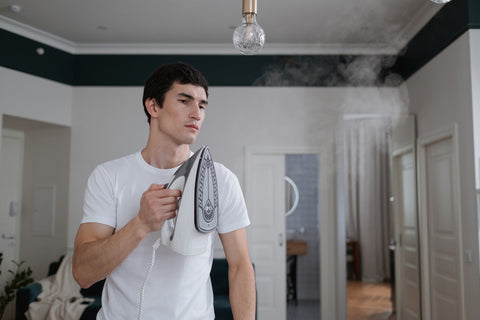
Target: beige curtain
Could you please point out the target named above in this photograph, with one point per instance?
(367, 174)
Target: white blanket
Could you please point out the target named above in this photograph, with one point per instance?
(60, 298)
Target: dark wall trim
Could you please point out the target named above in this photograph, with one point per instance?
(453, 20)
(19, 53)
(133, 70)
(220, 70)
(231, 70)
(474, 14)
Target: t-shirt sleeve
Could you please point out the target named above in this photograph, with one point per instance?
(99, 203)
(233, 213)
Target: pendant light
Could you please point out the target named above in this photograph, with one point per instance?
(249, 37)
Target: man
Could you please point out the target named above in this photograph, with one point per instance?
(126, 205)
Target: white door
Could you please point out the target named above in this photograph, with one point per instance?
(11, 168)
(441, 221)
(407, 264)
(265, 196)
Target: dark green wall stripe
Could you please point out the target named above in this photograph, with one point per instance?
(449, 23)
(230, 70)
(20, 54)
(128, 70)
(444, 28)
(474, 14)
(220, 70)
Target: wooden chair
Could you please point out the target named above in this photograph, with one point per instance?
(353, 257)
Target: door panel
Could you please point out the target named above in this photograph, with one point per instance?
(266, 201)
(443, 226)
(408, 279)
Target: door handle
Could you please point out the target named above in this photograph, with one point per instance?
(9, 236)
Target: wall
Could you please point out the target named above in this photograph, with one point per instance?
(109, 122)
(440, 95)
(31, 97)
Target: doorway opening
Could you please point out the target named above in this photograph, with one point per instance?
(369, 221)
(46, 166)
(268, 206)
(303, 236)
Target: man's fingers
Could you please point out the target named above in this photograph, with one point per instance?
(159, 191)
(155, 186)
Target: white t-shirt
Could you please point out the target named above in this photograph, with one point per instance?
(179, 286)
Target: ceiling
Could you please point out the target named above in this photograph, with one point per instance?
(206, 26)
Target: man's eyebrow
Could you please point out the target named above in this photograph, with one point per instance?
(189, 96)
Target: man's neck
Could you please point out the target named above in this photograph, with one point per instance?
(165, 157)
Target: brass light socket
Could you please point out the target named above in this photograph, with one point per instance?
(249, 6)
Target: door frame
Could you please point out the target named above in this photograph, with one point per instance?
(331, 302)
(396, 154)
(19, 135)
(450, 132)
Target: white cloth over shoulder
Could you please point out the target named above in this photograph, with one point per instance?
(60, 298)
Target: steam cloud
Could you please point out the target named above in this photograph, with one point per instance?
(331, 71)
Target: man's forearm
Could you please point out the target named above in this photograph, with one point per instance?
(96, 259)
(242, 291)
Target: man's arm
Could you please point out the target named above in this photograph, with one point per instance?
(99, 250)
(240, 274)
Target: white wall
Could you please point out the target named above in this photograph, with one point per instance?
(109, 122)
(35, 98)
(440, 95)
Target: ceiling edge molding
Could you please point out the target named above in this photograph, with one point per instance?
(418, 21)
(191, 49)
(228, 49)
(36, 34)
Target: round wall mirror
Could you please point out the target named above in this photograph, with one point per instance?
(291, 196)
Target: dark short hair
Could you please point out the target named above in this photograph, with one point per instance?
(165, 76)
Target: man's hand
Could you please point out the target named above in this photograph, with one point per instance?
(158, 205)
(99, 249)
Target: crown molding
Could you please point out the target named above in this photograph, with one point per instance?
(228, 49)
(418, 21)
(191, 49)
(36, 34)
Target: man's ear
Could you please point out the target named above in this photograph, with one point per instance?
(152, 107)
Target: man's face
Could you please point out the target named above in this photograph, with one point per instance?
(183, 113)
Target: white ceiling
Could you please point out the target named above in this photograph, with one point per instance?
(206, 26)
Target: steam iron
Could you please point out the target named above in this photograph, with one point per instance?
(197, 213)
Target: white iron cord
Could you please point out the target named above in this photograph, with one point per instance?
(152, 262)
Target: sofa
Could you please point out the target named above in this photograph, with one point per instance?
(29, 294)
(218, 275)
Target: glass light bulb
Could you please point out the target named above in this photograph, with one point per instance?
(249, 37)
(440, 1)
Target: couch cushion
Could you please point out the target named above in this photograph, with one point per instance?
(219, 277)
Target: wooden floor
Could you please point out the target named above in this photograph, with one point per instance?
(369, 301)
